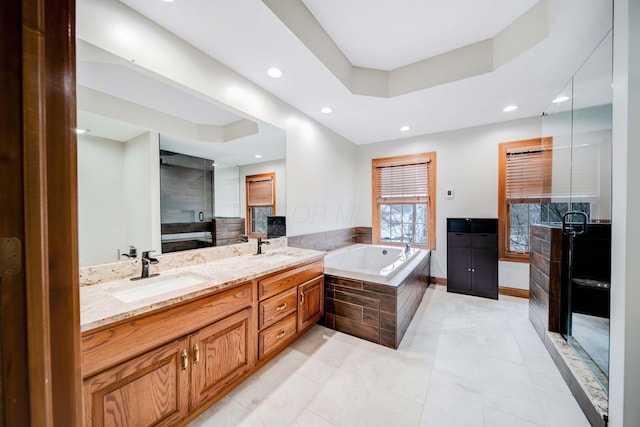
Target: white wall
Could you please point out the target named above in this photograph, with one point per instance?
(279, 168)
(101, 218)
(315, 155)
(321, 190)
(624, 366)
(141, 170)
(467, 163)
(227, 191)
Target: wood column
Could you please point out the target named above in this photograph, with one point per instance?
(40, 329)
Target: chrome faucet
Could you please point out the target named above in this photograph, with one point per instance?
(407, 248)
(146, 261)
(260, 243)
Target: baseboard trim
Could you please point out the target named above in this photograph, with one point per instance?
(513, 292)
(438, 281)
(502, 290)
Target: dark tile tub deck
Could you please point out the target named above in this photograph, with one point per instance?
(374, 311)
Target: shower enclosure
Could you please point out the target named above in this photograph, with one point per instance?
(578, 127)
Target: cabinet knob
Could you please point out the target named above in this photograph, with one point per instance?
(468, 269)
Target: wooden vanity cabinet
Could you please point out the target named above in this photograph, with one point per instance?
(165, 367)
(311, 303)
(131, 381)
(152, 389)
(220, 354)
(291, 302)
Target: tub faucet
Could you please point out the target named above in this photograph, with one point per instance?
(260, 243)
(407, 248)
(146, 261)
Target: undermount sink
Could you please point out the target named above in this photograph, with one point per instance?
(156, 286)
(273, 259)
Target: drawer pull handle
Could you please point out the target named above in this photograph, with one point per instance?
(185, 359)
(301, 298)
(281, 335)
(196, 354)
(281, 307)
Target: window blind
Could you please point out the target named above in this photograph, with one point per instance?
(528, 176)
(260, 192)
(402, 183)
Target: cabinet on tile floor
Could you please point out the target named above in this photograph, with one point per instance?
(472, 256)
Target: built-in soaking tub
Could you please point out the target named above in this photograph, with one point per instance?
(373, 291)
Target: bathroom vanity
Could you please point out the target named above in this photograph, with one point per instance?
(160, 351)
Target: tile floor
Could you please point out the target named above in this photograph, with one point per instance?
(465, 361)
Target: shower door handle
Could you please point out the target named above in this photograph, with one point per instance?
(568, 225)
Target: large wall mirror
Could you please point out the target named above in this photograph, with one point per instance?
(137, 127)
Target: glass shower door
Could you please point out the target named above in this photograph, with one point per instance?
(577, 126)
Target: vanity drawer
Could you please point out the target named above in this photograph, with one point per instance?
(277, 336)
(287, 279)
(277, 307)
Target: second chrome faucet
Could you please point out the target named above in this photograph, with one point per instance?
(146, 261)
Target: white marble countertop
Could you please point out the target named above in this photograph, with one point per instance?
(109, 302)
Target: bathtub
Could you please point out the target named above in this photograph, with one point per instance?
(373, 292)
(379, 262)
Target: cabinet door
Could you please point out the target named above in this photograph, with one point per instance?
(219, 354)
(310, 302)
(459, 268)
(152, 389)
(485, 272)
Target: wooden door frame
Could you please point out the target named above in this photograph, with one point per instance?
(40, 380)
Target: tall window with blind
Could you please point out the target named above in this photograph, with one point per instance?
(526, 195)
(261, 202)
(404, 200)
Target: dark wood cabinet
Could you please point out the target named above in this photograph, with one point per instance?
(472, 256)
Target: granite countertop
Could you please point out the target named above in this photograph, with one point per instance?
(109, 302)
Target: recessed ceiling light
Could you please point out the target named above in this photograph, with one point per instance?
(560, 99)
(510, 108)
(404, 128)
(258, 156)
(81, 131)
(326, 110)
(274, 72)
(168, 1)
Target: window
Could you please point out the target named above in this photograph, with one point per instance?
(524, 186)
(404, 200)
(261, 202)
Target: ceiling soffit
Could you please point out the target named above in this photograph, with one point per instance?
(475, 59)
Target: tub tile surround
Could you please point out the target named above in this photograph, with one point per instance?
(131, 268)
(327, 378)
(332, 240)
(379, 311)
